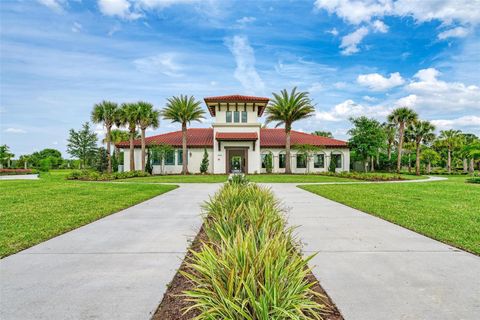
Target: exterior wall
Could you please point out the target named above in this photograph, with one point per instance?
(195, 156)
(327, 153)
(221, 114)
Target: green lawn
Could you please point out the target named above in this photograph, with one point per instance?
(33, 211)
(265, 178)
(448, 211)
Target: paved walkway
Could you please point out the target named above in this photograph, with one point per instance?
(115, 268)
(374, 269)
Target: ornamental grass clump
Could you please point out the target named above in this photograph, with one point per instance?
(250, 267)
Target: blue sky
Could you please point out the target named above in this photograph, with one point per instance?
(59, 57)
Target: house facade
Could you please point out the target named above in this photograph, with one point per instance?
(236, 142)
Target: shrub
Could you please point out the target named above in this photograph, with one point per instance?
(239, 179)
(332, 166)
(473, 180)
(9, 172)
(205, 162)
(88, 175)
(250, 267)
(365, 176)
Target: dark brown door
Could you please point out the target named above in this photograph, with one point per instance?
(237, 160)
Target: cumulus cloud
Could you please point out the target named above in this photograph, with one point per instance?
(458, 32)
(351, 41)
(377, 82)
(465, 121)
(164, 63)
(429, 92)
(245, 72)
(55, 5)
(118, 8)
(447, 11)
(350, 108)
(379, 26)
(14, 130)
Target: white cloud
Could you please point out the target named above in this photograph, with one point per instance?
(242, 22)
(377, 82)
(340, 85)
(55, 5)
(446, 11)
(119, 8)
(458, 32)
(350, 108)
(14, 130)
(245, 60)
(408, 101)
(369, 99)
(333, 32)
(351, 41)
(465, 121)
(439, 95)
(162, 63)
(315, 87)
(379, 26)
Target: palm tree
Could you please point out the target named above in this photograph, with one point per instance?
(116, 136)
(420, 132)
(430, 156)
(148, 117)
(183, 109)
(390, 132)
(128, 116)
(287, 108)
(106, 112)
(401, 117)
(450, 139)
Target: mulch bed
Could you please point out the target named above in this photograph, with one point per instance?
(173, 304)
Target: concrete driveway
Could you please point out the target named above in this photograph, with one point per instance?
(117, 267)
(374, 269)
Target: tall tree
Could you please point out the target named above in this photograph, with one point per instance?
(183, 109)
(390, 133)
(450, 139)
(321, 133)
(401, 117)
(148, 117)
(420, 132)
(367, 137)
(430, 156)
(286, 108)
(106, 112)
(5, 156)
(83, 144)
(118, 135)
(128, 116)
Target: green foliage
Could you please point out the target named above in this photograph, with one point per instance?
(205, 162)
(5, 155)
(83, 144)
(320, 133)
(250, 266)
(269, 162)
(473, 180)
(365, 176)
(148, 164)
(238, 179)
(332, 166)
(13, 172)
(367, 137)
(89, 175)
(45, 164)
(159, 152)
(101, 160)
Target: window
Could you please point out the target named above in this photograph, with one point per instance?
(155, 157)
(301, 160)
(337, 159)
(265, 158)
(319, 161)
(180, 157)
(281, 160)
(170, 158)
(236, 116)
(244, 116)
(229, 116)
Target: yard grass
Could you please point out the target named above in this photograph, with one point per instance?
(33, 211)
(262, 178)
(448, 211)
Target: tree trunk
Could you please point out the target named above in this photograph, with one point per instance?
(389, 151)
(400, 145)
(417, 160)
(184, 149)
(471, 167)
(143, 149)
(132, 151)
(409, 162)
(465, 165)
(372, 169)
(109, 158)
(288, 168)
(429, 167)
(449, 161)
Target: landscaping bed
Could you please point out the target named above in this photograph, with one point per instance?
(90, 175)
(245, 264)
(11, 172)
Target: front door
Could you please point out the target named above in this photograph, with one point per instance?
(237, 160)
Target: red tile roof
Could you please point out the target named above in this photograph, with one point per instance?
(236, 136)
(269, 138)
(237, 98)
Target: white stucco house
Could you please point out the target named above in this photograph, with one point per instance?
(236, 142)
